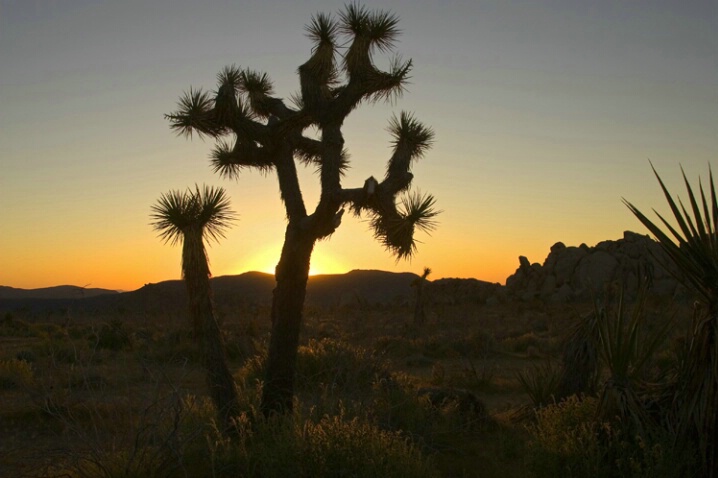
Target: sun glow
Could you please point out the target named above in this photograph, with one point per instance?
(266, 260)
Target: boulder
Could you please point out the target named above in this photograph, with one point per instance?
(579, 273)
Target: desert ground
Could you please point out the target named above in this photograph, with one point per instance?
(117, 395)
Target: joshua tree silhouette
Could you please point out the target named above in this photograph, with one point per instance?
(192, 217)
(269, 135)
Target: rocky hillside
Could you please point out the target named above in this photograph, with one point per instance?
(577, 273)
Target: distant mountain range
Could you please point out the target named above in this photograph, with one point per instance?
(57, 292)
(170, 297)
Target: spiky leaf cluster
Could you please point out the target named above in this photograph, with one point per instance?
(268, 135)
(693, 246)
(206, 209)
(395, 228)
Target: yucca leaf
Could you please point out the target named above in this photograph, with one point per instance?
(205, 209)
(699, 231)
(194, 114)
(420, 210)
(674, 208)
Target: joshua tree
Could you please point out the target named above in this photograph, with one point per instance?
(419, 314)
(694, 250)
(192, 217)
(268, 134)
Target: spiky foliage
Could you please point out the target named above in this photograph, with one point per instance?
(540, 383)
(206, 209)
(580, 364)
(395, 230)
(693, 247)
(195, 216)
(626, 349)
(257, 130)
(418, 283)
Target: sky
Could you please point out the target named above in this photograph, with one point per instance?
(546, 115)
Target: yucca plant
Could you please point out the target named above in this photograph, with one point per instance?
(419, 283)
(626, 350)
(193, 216)
(580, 365)
(540, 383)
(268, 134)
(693, 246)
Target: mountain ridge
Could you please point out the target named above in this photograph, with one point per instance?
(254, 289)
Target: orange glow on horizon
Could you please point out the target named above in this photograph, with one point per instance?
(266, 260)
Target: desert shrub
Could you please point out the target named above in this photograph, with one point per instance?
(330, 447)
(395, 345)
(51, 331)
(475, 344)
(397, 406)
(12, 327)
(59, 349)
(541, 383)
(113, 336)
(328, 364)
(434, 346)
(567, 440)
(521, 343)
(77, 331)
(159, 438)
(26, 356)
(173, 346)
(474, 375)
(15, 374)
(338, 365)
(238, 346)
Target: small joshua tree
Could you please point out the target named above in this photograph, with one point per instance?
(419, 283)
(192, 217)
(267, 134)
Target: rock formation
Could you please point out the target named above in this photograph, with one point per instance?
(579, 273)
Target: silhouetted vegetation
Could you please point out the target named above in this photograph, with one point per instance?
(268, 134)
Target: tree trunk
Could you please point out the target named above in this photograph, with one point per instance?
(220, 381)
(288, 302)
(223, 390)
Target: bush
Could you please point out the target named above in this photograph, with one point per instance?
(541, 383)
(15, 374)
(565, 439)
(569, 441)
(26, 356)
(329, 364)
(12, 327)
(522, 343)
(162, 437)
(113, 336)
(330, 447)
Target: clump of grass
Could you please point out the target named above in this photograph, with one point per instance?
(580, 361)
(567, 439)
(329, 364)
(15, 374)
(330, 447)
(155, 440)
(113, 336)
(522, 343)
(12, 327)
(541, 383)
